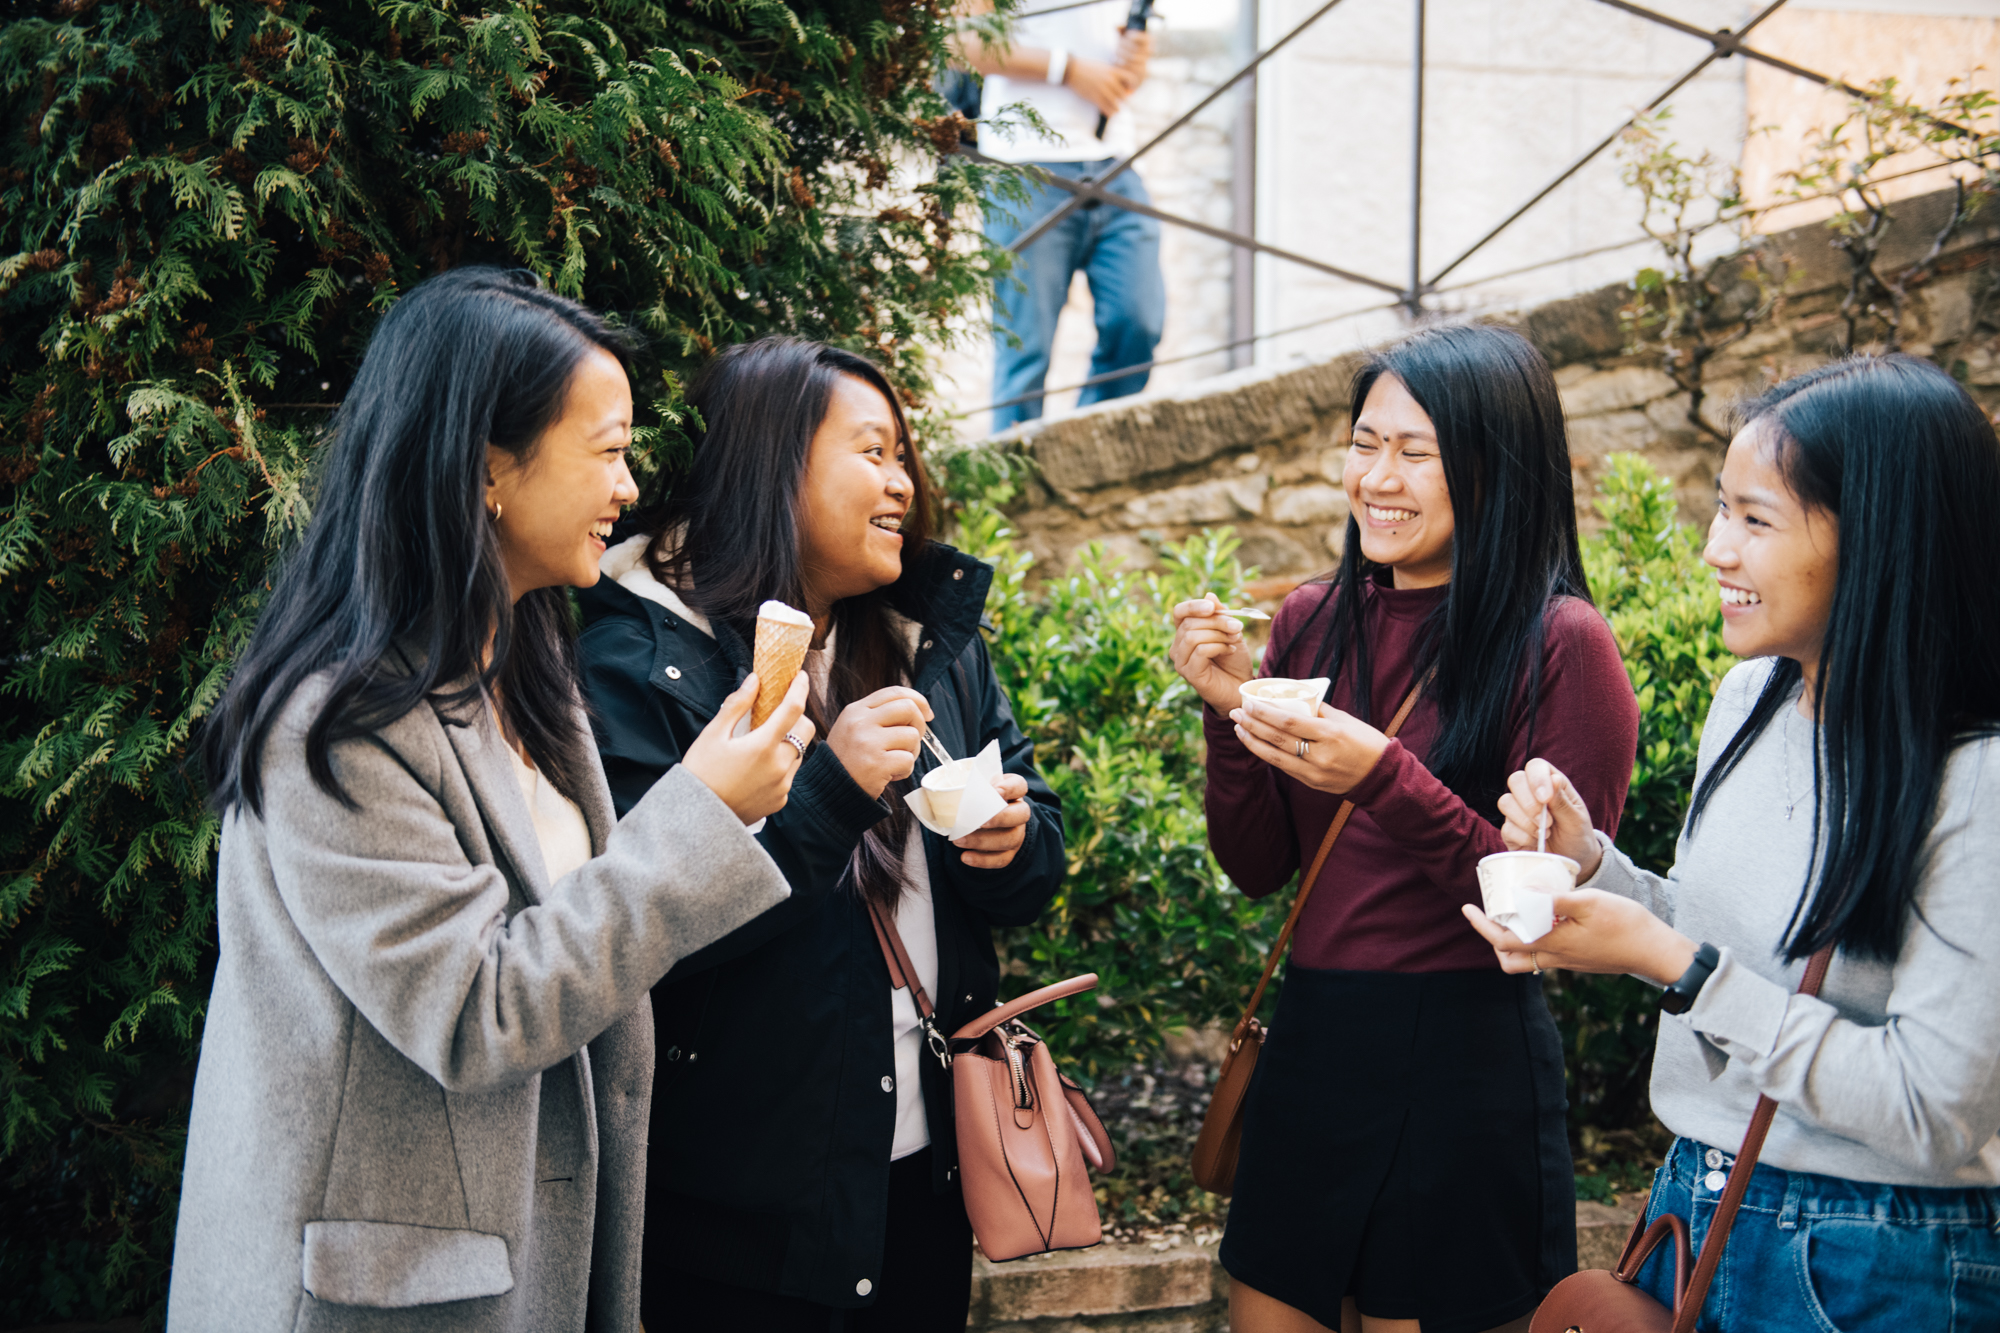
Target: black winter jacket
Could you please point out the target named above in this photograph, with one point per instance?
(773, 1109)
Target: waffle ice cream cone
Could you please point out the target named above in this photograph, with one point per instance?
(783, 635)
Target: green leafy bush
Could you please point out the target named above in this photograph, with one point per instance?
(1118, 735)
(204, 206)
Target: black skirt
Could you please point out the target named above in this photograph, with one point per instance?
(1404, 1143)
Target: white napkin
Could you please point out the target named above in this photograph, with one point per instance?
(1528, 914)
(979, 804)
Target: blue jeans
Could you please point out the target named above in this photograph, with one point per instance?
(1119, 253)
(1817, 1254)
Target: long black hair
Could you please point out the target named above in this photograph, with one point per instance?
(726, 532)
(1896, 453)
(396, 586)
(1499, 421)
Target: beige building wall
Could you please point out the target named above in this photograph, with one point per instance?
(1931, 49)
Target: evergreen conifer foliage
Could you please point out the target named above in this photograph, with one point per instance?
(204, 206)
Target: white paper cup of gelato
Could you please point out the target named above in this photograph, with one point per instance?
(1518, 890)
(945, 788)
(1292, 696)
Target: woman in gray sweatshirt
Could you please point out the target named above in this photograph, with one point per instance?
(1848, 794)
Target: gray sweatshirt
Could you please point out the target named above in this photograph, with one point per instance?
(1893, 1074)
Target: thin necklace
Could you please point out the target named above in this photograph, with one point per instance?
(1791, 801)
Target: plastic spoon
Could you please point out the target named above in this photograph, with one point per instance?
(937, 749)
(1542, 830)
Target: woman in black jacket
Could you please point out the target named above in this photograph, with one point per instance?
(803, 1172)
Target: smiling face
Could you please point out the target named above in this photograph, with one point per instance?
(852, 501)
(1774, 557)
(1395, 487)
(557, 508)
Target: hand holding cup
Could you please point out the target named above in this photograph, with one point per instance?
(1209, 652)
(992, 845)
(1594, 931)
(1340, 748)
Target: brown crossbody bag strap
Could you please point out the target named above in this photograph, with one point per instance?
(1214, 1158)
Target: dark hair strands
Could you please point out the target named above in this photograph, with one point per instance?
(396, 586)
(1499, 421)
(1896, 452)
(726, 527)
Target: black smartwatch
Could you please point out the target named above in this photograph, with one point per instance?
(1679, 997)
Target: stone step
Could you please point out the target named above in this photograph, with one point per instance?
(1175, 1286)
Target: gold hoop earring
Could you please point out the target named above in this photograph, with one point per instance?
(497, 507)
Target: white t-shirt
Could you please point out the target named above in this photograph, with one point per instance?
(916, 923)
(559, 826)
(1090, 31)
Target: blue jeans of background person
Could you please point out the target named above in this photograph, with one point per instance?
(1119, 254)
(1817, 1254)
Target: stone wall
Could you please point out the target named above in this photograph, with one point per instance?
(1261, 450)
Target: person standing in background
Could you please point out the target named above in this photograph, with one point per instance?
(1071, 66)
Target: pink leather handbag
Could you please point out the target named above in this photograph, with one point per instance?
(1024, 1131)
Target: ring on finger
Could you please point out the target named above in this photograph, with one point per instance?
(1303, 747)
(797, 744)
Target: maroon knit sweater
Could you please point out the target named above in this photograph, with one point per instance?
(1388, 897)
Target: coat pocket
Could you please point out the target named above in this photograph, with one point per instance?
(391, 1265)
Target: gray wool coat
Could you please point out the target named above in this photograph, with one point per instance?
(426, 1076)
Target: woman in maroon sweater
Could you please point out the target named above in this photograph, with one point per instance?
(1405, 1161)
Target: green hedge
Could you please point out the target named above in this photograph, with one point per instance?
(1118, 734)
(204, 207)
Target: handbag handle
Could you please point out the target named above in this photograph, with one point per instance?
(1688, 1308)
(904, 975)
(1312, 877)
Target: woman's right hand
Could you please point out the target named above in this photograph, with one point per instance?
(1209, 652)
(876, 739)
(752, 773)
(1540, 787)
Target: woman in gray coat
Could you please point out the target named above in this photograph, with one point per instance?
(425, 1079)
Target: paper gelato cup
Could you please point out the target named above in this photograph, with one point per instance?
(783, 635)
(1292, 696)
(953, 812)
(945, 787)
(1519, 888)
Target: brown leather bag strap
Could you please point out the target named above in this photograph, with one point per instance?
(1688, 1308)
(902, 971)
(1312, 875)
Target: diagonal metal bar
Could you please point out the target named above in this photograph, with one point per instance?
(1714, 54)
(1729, 43)
(1082, 192)
(1118, 168)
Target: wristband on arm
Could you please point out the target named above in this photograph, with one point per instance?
(1679, 997)
(1058, 65)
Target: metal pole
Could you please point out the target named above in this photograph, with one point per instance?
(1243, 201)
(1413, 298)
